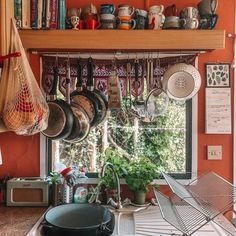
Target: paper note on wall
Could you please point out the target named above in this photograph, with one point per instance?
(218, 111)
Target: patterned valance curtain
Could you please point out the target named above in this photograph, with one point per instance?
(102, 70)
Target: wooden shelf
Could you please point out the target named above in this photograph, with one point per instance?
(123, 40)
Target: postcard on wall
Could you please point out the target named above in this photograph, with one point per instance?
(217, 75)
(218, 111)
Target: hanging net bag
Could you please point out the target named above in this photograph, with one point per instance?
(23, 108)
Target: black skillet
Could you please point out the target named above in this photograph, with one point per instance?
(103, 101)
(61, 116)
(81, 125)
(86, 99)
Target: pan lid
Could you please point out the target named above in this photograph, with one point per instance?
(181, 81)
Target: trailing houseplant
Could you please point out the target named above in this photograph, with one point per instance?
(140, 173)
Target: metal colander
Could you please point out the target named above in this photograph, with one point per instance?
(181, 81)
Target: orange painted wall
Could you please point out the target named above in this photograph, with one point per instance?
(21, 154)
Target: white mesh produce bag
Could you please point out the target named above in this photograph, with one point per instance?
(22, 106)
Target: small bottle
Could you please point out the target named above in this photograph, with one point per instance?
(67, 193)
(81, 193)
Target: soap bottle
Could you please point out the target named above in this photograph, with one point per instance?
(81, 192)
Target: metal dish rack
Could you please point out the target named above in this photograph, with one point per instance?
(205, 199)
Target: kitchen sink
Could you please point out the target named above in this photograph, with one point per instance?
(142, 221)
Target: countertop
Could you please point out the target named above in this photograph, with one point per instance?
(17, 221)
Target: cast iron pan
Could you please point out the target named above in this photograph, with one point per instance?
(82, 117)
(86, 99)
(81, 125)
(61, 116)
(103, 101)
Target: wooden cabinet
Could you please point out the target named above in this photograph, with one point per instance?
(138, 40)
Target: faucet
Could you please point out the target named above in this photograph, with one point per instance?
(118, 204)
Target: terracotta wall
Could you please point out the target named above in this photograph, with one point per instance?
(21, 154)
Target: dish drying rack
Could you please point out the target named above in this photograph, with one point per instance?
(191, 207)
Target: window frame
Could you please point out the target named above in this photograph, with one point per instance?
(191, 150)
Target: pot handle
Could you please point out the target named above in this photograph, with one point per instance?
(44, 224)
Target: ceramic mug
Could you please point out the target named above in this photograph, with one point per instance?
(207, 7)
(189, 23)
(189, 12)
(208, 21)
(126, 23)
(156, 9)
(107, 9)
(108, 24)
(73, 12)
(171, 22)
(140, 12)
(81, 24)
(125, 10)
(171, 11)
(107, 17)
(92, 24)
(108, 21)
(155, 17)
(141, 22)
(91, 16)
(90, 9)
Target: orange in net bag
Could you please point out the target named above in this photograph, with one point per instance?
(22, 105)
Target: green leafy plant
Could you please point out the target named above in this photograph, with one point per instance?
(54, 178)
(120, 165)
(141, 172)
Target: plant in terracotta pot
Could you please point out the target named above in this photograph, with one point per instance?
(141, 172)
(108, 182)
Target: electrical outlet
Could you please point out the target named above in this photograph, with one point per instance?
(214, 152)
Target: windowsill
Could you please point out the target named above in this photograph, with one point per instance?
(157, 181)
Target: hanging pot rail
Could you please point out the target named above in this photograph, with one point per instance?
(119, 55)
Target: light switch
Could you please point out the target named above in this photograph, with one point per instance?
(214, 152)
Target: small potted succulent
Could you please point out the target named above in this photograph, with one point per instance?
(140, 173)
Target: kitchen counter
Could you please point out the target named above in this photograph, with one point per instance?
(17, 221)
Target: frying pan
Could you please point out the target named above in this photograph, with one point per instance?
(87, 99)
(61, 116)
(81, 125)
(181, 81)
(103, 101)
(79, 96)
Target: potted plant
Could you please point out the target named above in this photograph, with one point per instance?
(108, 182)
(141, 172)
(54, 179)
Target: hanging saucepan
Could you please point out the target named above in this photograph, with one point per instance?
(81, 125)
(78, 219)
(181, 81)
(61, 116)
(84, 98)
(103, 101)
